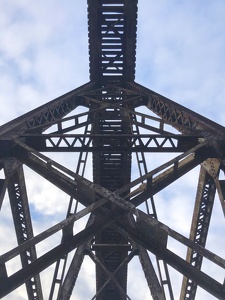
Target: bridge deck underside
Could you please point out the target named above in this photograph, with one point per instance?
(111, 171)
(112, 39)
(112, 45)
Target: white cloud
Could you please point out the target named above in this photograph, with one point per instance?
(180, 50)
(41, 46)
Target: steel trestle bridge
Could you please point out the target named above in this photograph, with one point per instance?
(116, 134)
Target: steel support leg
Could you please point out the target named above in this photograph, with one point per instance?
(22, 221)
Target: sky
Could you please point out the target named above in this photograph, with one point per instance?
(180, 54)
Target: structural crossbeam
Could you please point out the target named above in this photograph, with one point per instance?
(110, 142)
(154, 242)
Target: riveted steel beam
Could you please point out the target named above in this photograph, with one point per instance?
(45, 114)
(22, 221)
(143, 236)
(110, 142)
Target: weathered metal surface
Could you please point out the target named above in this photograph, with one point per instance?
(66, 288)
(50, 231)
(150, 275)
(111, 287)
(153, 244)
(180, 238)
(164, 277)
(199, 228)
(67, 282)
(62, 279)
(19, 277)
(105, 221)
(3, 186)
(110, 143)
(22, 222)
(182, 118)
(45, 114)
(110, 172)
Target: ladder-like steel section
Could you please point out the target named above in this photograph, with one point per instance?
(112, 39)
(122, 214)
(111, 171)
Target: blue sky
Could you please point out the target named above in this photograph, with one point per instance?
(180, 54)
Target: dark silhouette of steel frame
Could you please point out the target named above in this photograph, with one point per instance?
(112, 130)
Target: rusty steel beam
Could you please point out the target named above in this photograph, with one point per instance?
(117, 142)
(45, 114)
(151, 221)
(66, 287)
(112, 274)
(152, 279)
(50, 231)
(106, 221)
(110, 172)
(165, 230)
(22, 222)
(142, 234)
(62, 177)
(41, 263)
(61, 263)
(150, 275)
(67, 282)
(200, 225)
(112, 281)
(46, 168)
(180, 117)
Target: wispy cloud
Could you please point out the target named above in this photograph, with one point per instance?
(180, 53)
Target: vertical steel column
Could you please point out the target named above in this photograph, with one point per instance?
(142, 166)
(22, 221)
(199, 229)
(72, 209)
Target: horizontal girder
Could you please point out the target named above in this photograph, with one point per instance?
(110, 142)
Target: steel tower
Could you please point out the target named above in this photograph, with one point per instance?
(119, 123)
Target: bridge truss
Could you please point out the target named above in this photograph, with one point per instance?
(120, 125)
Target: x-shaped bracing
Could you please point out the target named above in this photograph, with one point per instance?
(142, 230)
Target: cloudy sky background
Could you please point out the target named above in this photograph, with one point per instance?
(180, 54)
